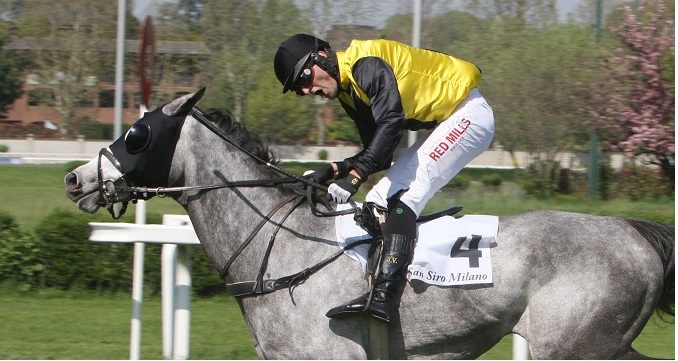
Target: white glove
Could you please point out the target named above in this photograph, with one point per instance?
(341, 191)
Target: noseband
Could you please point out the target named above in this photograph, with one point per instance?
(108, 188)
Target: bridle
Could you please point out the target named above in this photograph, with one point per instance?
(122, 191)
(109, 189)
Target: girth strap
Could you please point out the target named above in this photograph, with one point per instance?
(270, 285)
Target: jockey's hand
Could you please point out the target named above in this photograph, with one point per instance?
(320, 175)
(326, 172)
(341, 191)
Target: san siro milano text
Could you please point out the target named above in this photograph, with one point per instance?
(452, 277)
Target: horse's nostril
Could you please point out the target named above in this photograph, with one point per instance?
(71, 180)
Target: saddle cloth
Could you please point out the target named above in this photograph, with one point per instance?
(449, 251)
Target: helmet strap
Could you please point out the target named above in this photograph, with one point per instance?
(327, 63)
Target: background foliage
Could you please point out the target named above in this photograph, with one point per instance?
(58, 255)
(10, 78)
(551, 82)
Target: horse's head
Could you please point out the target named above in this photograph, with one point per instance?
(142, 157)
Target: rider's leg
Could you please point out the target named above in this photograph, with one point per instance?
(433, 160)
(400, 233)
(427, 166)
(399, 238)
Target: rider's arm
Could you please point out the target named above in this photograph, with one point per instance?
(375, 77)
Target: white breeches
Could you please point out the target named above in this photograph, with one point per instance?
(432, 161)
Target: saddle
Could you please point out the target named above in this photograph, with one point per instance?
(371, 217)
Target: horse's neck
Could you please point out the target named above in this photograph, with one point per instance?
(225, 218)
(300, 239)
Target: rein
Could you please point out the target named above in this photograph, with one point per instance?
(204, 120)
(109, 194)
(261, 286)
(162, 191)
(108, 188)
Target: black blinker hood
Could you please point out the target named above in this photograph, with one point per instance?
(151, 167)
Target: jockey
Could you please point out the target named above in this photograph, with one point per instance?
(387, 87)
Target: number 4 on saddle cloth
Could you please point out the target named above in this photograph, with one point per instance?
(450, 251)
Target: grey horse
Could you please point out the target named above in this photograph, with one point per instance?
(575, 286)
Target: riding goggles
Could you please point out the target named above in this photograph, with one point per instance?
(305, 78)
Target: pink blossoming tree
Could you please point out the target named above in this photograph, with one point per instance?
(635, 108)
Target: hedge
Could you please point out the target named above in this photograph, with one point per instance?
(58, 254)
(20, 261)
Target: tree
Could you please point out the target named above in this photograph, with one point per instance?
(70, 38)
(535, 77)
(533, 13)
(440, 33)
(9, 9)
(586, 11)
(344, 130)
(535, 87)
(10, 78)
(178, 20)
(320, 21)
(636, 112)
(243, 36)
(280, 119)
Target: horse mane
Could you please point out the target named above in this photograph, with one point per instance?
(251, 142)
(242, 136)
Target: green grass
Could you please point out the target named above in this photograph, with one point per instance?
(80, 326)
(74, 325)
(30, 192)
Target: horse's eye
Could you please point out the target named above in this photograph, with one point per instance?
(137, 138)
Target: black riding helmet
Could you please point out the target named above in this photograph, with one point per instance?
(295, 53)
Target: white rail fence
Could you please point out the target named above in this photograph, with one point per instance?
(175, 234)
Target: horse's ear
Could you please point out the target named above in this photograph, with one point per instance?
(184, 103)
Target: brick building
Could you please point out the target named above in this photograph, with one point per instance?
(177, 72)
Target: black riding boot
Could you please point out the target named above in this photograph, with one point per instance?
(398, 251)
